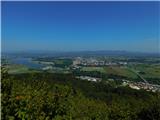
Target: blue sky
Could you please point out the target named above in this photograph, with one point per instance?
(76, 26)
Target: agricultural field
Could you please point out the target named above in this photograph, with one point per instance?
(113, 70)
(99, 69)
(59, 70)
(120, 71)
(14, 69)
(148, 71)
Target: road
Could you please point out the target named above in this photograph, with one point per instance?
(138, 75)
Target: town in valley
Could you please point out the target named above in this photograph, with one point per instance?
(136, 72)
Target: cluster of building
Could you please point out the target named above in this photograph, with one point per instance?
(142, 85)
(47, 68)
(95, 62)
(89, 78)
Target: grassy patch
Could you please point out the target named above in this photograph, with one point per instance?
(16, 69)
(120, 71)
(99, 69)
(148, 71)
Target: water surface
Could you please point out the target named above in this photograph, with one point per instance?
(27, 62)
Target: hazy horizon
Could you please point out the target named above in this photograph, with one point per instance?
(78, 51)
(81, 26)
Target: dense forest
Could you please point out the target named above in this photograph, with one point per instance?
(53, 96)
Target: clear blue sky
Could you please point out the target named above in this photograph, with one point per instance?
(74, 26)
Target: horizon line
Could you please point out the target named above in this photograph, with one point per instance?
(70, 51)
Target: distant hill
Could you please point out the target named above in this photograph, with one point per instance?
(80, 53)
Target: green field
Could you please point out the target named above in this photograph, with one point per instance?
(99, 69)
(113, 70)
(62, 62)
(120, 71)
(14, 69)
(148, 71)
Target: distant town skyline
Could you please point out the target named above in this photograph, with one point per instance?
(80, 26)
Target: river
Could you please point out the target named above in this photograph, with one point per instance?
(27, 62)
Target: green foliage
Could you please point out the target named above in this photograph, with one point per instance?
(47, 96)
(65, 62)
(150, 111)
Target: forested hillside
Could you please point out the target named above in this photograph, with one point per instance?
(48, 96)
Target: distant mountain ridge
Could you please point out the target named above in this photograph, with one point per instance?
(81, 53)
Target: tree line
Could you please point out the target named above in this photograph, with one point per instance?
(50, 96)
